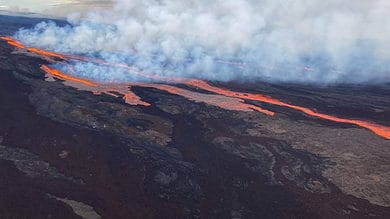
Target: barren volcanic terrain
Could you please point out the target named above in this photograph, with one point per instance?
(73, 148)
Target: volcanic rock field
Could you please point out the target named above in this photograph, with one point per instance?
(68, 152)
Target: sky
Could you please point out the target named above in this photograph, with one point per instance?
(52, 7)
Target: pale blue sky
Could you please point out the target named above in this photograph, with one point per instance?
(52, 7)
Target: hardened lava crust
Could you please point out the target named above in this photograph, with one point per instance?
(70, 153)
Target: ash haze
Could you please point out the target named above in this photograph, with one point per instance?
(58, 8)
(300, 41)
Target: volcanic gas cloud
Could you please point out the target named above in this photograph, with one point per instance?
(221, 97)
(334, 41)
(158, 44)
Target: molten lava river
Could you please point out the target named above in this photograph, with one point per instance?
(217, 96)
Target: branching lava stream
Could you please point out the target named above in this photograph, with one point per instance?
(222, 97)
(381, 130)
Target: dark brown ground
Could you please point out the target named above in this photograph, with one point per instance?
(180, 159)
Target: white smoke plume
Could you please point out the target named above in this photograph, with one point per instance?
(308, 41)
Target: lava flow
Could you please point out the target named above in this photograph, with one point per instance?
(110, 89)
(12, 42)
(229, 103)
(131, 98)
(58, 74)
(223, 98)
(116, 90)
(19, 45)
(380, 130)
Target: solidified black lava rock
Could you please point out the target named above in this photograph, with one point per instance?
(83, 155)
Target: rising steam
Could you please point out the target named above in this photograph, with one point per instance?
(313, 41)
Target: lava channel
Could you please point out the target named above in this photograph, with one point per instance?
(232, 104)
(380, 130)
(221, 101)
(112, 89)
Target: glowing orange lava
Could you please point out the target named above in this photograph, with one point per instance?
(132, 99)
(98, 88)
(229, 103)
(46, 53)
(380, 130)
(19, 45)
(12, 42)
(226, 99)
(118, 90)
(58, 74)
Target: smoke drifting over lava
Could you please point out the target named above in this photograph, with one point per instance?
(223, 98)
(336, 41)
